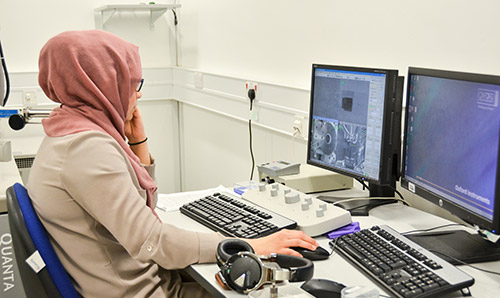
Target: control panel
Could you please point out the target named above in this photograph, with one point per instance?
(313, 216)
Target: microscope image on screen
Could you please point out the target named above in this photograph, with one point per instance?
(340, 144)
(349, 129)
(340, 123)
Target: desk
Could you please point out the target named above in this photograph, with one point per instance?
(400, 217)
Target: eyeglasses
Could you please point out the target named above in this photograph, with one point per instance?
(139, 87)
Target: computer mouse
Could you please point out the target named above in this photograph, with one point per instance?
(323, 288)
(314, 255)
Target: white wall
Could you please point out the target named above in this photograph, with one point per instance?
(277, 41)
(215, 131)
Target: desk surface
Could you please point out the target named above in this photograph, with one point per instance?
(398, 216)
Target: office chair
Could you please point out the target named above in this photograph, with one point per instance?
(28, 236)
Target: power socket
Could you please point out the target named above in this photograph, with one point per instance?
(299, 126)
(29, 97)
(251, 88)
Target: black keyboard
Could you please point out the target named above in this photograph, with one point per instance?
(398, 264)
(235, 217)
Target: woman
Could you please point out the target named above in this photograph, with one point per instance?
(92, 182)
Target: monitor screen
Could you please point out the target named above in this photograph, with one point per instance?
(451, 142)
(354, 122)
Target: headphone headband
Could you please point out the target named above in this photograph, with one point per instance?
(229, 247)
(301, 269)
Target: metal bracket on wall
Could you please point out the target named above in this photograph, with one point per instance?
(155, 11)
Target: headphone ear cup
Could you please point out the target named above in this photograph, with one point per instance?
(229, 247)
(242, 272)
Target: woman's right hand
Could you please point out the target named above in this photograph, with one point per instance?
(281, 241)
(135, 132)
(134, 128)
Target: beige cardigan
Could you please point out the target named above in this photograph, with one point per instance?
(88, 198)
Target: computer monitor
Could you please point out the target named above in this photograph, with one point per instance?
(451, 154)
(355, 124)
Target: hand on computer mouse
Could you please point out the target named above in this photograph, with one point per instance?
(282, 241)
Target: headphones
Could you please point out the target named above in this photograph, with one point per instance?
(243, 271)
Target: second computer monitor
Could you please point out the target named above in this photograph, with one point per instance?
(355, 122)
(452, 141)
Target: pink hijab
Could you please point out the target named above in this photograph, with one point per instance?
(92, 74)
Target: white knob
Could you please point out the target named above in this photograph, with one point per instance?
(308, 200)
(291, 198)
(305, 206)
(274, 192)
(322, 206)
(275, 186)
(287, 190)
(320, 212)
(262, 186)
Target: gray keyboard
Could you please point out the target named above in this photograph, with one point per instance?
(400, 265)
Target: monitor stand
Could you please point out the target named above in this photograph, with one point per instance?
(362, 206)
(459, 244)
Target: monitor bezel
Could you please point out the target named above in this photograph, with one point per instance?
(388, 173)
(457, 210)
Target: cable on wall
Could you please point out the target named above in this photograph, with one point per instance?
(251, 96)
(176, 22)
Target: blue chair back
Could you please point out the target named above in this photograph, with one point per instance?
(29, 235)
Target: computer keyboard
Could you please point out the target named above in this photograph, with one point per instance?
(235, 217)
(398, 264)
(313, 216)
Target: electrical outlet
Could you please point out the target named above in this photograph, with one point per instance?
(251, 89)
(299, 126)
(29, 97)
